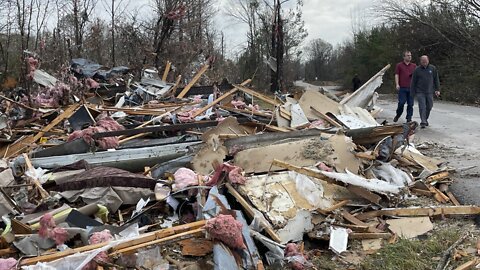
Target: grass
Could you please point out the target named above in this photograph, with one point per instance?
(414, 254)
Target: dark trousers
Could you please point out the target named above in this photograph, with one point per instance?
(404, 96)
(425, 105)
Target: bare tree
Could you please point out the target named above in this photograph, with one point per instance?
(115, 9)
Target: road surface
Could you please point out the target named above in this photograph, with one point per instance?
(453, 135)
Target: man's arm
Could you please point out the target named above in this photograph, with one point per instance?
(397, 84)
(413, 83)
(436, 82)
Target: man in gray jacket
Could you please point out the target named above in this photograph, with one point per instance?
(425, 83)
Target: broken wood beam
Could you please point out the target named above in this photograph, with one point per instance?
(193, 81)
(325, 117)
(168, 239)
(365, 193)
(373, 134)
(251, 212)
(422, 211)
(453, 199)
(43, 193)
(355, 221)
(167, 70)
(218, 100)
(469, 265)
(148, 237)
(333, 207)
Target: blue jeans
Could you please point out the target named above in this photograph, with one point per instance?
(404, 96)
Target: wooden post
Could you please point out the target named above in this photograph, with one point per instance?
(194, 80)
(167, 69)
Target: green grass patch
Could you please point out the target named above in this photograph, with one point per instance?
(413, 254)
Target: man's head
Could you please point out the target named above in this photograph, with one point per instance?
(407, 56)
(424, 60)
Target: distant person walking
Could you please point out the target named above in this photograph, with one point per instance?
(425, 83)
(356, 82)
(403, 77)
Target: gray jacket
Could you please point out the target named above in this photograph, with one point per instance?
(425, 80)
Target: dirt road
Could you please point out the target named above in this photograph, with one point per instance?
(453, 135)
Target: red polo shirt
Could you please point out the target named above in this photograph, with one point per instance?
(404, 73)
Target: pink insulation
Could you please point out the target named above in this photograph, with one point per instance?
(323, 167)
(8, 264)
(97, 238)
(103, 125)
(187, 116)
(238, 104)
(235, 174)
(32, 65)
(91, 83)
(48, 229)
(297, 260)
(226, 229)
(52, 97)
(184, 178)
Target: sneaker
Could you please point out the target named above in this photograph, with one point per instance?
(423, 125)
(409, 120)
(395, 119)
(426, 124)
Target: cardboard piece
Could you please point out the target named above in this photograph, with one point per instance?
(410, 227)
(318, 101)
(259, 159)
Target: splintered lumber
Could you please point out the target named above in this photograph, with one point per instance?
(422, 211)
(453, 199)
(257, 95)
(196, 247)
(373, 134)
(448, 252)
(193, 81)
(251, 213)
(168, 239)
(438, 177)
(167, 69)
(469, 265)
(365, 193)
(218, 100)
(144, 238)
(20, 145)
(333, 207)
(355, 221)
(326, 117)
(43, 193)
(246, 112)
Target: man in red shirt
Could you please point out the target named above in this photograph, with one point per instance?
(403, 77)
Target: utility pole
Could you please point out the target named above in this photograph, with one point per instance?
(277, 49)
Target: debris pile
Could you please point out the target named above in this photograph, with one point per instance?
(101, 171)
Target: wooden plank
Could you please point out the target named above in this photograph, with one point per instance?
(352, 219)
(327, 118)
(422, 211)
(422, 192)
(365, 193)
(453, 199)
(305, 171)
(43, 193)
(218, 100)
(193, 81)
(196, 247)
(176, 237)
(356, 235)
(251, 213)
(438, 177)
(167, 69)
(231, 109)
(258, 95)
(140, 239)
(468, 265)
(333, 207)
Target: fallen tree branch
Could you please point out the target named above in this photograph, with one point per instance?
(446, 255)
